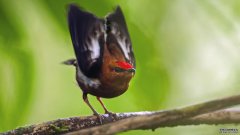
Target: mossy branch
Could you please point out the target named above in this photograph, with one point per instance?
(203, 113)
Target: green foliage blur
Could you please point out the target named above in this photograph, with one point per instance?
(186, 51)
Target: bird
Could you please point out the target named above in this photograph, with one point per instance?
(105, 61)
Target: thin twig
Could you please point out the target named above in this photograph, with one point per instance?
(154, 121)
(191, 115)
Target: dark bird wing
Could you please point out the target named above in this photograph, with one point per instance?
(87, 33)
(117, 26)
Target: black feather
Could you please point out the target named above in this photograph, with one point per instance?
(116, 22)
(85, 27)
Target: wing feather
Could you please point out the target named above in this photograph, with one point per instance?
(116, 25)
(87, 33)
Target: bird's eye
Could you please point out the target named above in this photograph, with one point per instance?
(117, 69)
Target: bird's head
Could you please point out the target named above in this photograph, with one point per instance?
(122, 67)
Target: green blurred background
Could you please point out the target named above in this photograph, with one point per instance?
(187, 52)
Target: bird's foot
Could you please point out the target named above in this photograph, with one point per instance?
(112, 115)
(99, 118)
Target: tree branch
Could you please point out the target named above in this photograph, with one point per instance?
(202, 113)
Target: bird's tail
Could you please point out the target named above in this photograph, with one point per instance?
(70, 62)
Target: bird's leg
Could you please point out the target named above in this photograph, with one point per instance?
(105, 109)
(85, 98)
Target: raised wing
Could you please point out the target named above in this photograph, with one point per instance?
(87, 33)
(116, 25)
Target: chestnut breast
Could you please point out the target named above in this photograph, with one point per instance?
(113, 83)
